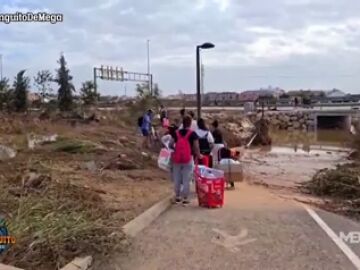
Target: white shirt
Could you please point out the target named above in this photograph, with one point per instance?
(215, 152)
(193, 126)
(202, 133)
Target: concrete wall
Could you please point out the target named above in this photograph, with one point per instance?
(310, 121)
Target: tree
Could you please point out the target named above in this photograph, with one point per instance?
(156, 91)
(66, 88)
(144, 98)
(21, 87)
(88, 94)
(42, 82)
(306, 100)
(5, 92)
(143, 91)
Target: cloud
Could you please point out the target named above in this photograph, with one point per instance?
(249, 35)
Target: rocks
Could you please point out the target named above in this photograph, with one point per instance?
(91, 166)
(34, 140)
(35, 180)
(290, 120)
(122, 164)
(6, 153)
(297, 125)
(124, 140)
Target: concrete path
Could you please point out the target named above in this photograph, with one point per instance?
(254, 230)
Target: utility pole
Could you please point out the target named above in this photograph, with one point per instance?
(198, 82)
(95, 83)
(148, 66)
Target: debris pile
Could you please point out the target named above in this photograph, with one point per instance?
(121, 162)
(35, 140)
(237, 131)
(340, 186)
(262, 133)
(342, 182)
(74, 146)
(6, 152)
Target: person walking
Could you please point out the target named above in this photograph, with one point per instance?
(146, 128)
(186, 149)
(193, 126)
(218, 143)
(164, 119)
(206, 142)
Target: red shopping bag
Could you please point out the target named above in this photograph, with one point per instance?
(210, 187)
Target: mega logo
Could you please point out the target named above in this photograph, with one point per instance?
(351, 237)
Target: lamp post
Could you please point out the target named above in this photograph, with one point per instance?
(1, 67)
(204, 46)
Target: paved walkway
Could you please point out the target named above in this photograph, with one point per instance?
(254, 230)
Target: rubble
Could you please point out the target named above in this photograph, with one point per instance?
(90, 166)
(6, 153)
(34, 180)
(262, 133)
(35, 140)
(120, 163)
(341, 183)
(239, 132)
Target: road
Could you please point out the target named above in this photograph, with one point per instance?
(240, 108)
(254, 230)
(279, 109)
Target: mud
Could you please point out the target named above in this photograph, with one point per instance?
(287, 167)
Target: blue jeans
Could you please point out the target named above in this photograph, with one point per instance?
(181, 175)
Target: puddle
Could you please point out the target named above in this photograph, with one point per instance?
(294, 158)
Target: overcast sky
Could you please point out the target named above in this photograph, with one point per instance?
(292, 44)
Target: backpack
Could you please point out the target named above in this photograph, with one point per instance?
(140, 121)
(224, 153)
(204, 144)
(182, 153)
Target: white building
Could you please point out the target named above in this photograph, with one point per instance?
(335, 93)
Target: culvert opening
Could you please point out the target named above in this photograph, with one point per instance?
(332, 122)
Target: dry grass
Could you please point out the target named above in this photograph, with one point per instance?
(55, 225)
(78, 212)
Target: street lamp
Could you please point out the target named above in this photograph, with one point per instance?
(204, 46)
